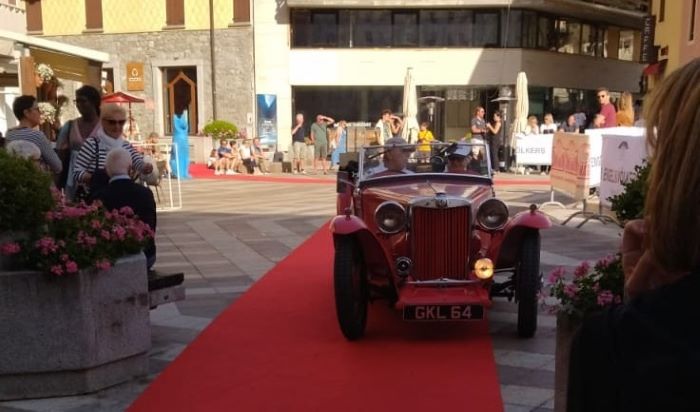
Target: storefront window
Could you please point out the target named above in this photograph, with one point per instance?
(486, 29)
(360, 104)
(626, 48)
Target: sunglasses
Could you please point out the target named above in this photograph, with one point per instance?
(113, 122)
(602, 96)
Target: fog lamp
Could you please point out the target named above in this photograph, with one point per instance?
(483, 268)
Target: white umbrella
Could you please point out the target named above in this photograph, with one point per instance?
(522, 106)
(410, 108)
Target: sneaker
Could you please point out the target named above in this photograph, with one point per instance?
(294, 172)
(303, 172)
(218, 173)
(230, 172)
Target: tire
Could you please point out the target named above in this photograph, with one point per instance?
(528, 284)
(351, 289)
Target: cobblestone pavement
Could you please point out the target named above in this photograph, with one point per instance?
(231, 232)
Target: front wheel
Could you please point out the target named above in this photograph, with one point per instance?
(528, 284)
(351, 289)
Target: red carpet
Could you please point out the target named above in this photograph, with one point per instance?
(200, 171)
(278, 348)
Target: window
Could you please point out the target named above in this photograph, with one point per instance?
(691, 26)
(405, 29)
(324, 29)
(241, 11)
(372, 28)
(93, 15)
(107, 80)
(662, 10)
(568, 37)
(175, 13)
(546, 35)
(589, 40)
(529, 30)
(458, 28)
(301, 28)
(180, 95)
(486, 29)
(626, 47)
(512, 26)
(34, 20)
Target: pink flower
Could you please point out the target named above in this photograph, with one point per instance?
(571, 290)
(64, 257)
(105, 234)
(46, 245)
(605, 297)
(90, 240)
(556, 275)
(103, 264)
(95, 224)
(9, 248)
(71, 267)
(582, 270)
(119, 232)
(126, 210)
(57, 270)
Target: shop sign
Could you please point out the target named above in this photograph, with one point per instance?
(134, 76)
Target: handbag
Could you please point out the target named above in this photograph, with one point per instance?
(99, 180)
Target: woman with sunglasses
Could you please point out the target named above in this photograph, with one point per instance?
(89, 169)
(75, 132)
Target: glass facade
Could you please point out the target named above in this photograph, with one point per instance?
(438, 28)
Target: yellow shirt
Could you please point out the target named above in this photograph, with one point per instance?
(424, 138)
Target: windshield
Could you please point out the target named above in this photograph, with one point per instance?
(395, 160)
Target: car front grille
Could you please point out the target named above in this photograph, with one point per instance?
(440, 242)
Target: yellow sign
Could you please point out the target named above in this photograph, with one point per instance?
(134, 76)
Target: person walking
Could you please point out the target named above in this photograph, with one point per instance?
(75, 132)
(607, 109)
(319, 137)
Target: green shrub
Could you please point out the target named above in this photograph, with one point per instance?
(629, 204)
(25, 194)
(221, 129)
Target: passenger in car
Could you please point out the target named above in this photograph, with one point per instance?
(395, 157)
(457, 160)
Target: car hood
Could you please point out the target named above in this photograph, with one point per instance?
(404, 192)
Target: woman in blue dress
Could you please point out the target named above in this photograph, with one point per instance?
(180, 157)
(341, 138)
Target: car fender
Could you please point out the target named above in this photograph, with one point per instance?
(508, 246)
(374, 253)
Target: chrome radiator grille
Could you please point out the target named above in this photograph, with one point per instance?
(440, 242)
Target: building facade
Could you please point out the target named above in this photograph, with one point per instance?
(348, 58)
(676, 36)
(176, 54)
(13, 19)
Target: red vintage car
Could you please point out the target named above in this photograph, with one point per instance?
(424, 230)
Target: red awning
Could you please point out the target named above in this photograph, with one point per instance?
(655, 68)
(121, 97)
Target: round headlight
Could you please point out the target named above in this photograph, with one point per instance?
(390, 217)
(492, 214)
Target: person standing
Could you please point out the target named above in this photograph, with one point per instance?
(493, 139)
(607, 109)
(319, 137)
(570, 126)
(341, 136)
(74, 133)
(388, 126)
(625, 110)
(298, 144)
(180, 160)
(26, 110)
(478, 124)
(425, 138)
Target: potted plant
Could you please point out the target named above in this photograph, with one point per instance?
(572, 298)
(76, 268)
(629, 204)
(220, 129)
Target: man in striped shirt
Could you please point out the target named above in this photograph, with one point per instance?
(26, 110)
(89, 167)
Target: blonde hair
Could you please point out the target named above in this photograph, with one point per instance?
(624, 104)
(673, 135)
(118, 162)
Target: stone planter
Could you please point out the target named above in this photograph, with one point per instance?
(566, 329)
(73, 334)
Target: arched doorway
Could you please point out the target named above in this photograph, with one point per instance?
(180, 93)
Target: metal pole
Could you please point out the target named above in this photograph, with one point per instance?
(212, 58)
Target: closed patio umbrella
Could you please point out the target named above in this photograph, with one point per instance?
(410, 108)
(522, 106)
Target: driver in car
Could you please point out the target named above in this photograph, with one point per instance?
(395, 158)
(457, 160)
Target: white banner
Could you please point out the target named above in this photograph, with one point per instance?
(596, 149)
(621, 153)
(533, 149)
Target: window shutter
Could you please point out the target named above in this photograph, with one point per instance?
(34, 21)
(241, 11)
(93, 14)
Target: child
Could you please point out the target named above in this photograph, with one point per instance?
(211, 163)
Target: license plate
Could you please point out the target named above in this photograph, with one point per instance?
(443, 312)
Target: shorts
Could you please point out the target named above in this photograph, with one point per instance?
(299, 151)
(321, 151)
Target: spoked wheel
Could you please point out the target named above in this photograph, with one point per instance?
(527, 284)
(351, 289)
